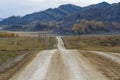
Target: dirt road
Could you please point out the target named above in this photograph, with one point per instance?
(64, 64)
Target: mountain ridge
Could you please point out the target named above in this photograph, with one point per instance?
(46, 15)
(64, 17)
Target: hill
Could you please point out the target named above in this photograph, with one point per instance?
(62, 19)
(1, 19)
(47, 15)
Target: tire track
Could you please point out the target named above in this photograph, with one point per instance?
(37, 69)
(106, 66)
(108, 55)
(65, 64)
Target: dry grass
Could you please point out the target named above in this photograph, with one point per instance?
(100, 43)
(17, 66)
(32, 45)
(9, 49)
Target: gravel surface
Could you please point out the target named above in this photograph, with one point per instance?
(64, 64)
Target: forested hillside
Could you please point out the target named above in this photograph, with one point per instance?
(91, 26)
(96, 18)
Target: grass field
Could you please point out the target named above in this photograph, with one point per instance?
(11, 47)
(99, 43)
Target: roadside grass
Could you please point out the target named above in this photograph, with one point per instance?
(99, 43)
(14, 46)
(4, 55)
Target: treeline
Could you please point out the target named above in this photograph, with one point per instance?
(116, 26)
(88, 26)
(43, 26)
(6, 34)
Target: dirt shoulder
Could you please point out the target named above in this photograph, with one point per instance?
(106, 66)
(17, 65)
(11, 60)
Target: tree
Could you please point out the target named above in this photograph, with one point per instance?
(6, 34)
(79, 28)
(116, 26)
(88, 26)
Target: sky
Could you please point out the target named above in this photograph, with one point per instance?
(23, 7)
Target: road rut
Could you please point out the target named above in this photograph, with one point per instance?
(60, 64)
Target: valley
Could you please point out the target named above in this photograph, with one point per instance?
(60, 40)
(71, 64)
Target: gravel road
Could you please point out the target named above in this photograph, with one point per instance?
(65, 64)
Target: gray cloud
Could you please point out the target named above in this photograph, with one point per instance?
(20, 8)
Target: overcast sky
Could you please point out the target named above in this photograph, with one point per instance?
(22, 7)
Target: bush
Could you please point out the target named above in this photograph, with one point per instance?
(6, 34)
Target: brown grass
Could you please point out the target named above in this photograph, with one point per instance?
(17, 66)
(100, 43)
(25, 46)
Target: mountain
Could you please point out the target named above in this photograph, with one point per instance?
(63, 18)
(47, 15)
(1, 19)
(99, 5)
(112, 13)
(104, 12)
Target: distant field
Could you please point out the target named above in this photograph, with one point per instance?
(100, 43)
(32, 34)
(17, 52)
(11, 47)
